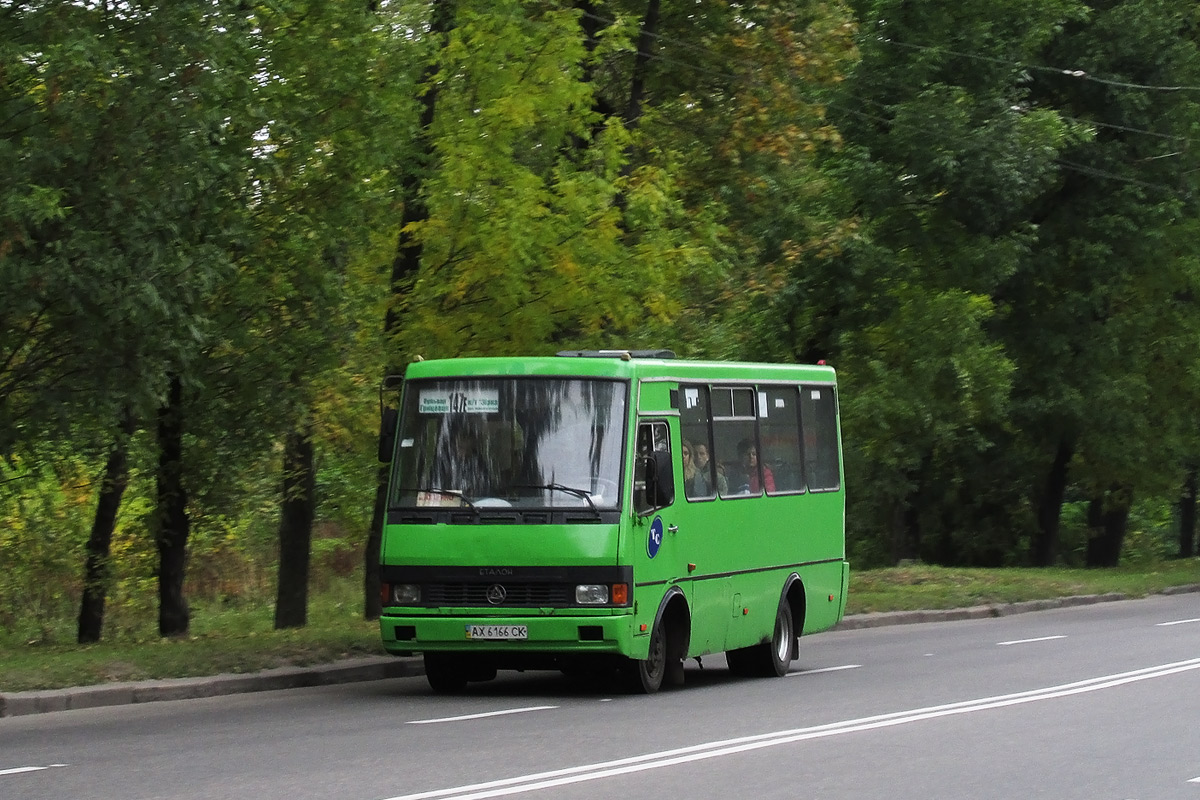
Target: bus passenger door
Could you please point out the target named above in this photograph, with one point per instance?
(657, 556)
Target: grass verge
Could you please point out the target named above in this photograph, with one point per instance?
(241, 639)
(224, 638)
(921, 587)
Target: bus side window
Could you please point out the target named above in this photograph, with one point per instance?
(779, 428)
(733, 437)
(699, 482)
(818, 413)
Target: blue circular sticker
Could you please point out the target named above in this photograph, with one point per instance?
(655, 540)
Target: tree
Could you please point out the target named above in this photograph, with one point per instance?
(937, 168)
(1103, 389)
(118, 131)
(405, 264)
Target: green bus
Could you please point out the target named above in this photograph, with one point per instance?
(610, 510)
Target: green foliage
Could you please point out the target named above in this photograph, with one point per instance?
(1152, 536)
(122, 182)
(523, 242)
(42, 531)
(226, 637)
(978, 173)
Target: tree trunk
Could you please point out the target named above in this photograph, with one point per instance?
(906, 530)
(898, 532)
(637, 94)
(405, 266)
(173, 523)
(1187, 515)
(1044, 548)
(645, 44)
(298, 512)
(1108, 520)
(96, 567)
(372, 583)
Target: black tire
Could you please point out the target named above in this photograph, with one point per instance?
(771, 658)
(481, 672)
(740, 663)
(646, 677)
(775, 657)
(445, 672)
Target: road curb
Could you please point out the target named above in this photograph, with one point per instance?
(16, 704)
(882, 618)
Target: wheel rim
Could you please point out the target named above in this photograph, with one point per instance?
(783, 637)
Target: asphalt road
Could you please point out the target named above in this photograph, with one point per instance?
(1094, 702)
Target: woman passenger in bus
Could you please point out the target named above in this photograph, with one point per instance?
(749, 455)
(695, 481)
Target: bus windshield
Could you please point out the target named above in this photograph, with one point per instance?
(523, 443)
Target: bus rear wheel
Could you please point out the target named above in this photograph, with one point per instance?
(771, 657)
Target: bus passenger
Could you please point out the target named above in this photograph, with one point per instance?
(695, 481)
(749, 454)
(700, 456)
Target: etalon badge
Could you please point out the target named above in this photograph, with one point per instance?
(496, 594)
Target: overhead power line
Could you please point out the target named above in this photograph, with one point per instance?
(1078, 74)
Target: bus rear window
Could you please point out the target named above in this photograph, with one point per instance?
(818, 410)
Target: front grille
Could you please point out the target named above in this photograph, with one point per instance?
(517, 594)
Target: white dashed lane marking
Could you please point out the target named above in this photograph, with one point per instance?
(824, 669)
(481, 715)
(1028, 641)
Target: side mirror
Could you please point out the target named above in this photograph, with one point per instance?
(664, 494)
(388, 419)
(660, 480)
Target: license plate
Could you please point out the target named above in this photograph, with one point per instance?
(498, 632)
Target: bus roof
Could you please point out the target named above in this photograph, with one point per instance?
(619, 368)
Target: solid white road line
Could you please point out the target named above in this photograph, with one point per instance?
(480, 716)
(1177, 622)
(667, 758)
(823, 669)
(1027, 641)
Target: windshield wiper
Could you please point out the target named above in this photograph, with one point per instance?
(561, 488)
(447, 493)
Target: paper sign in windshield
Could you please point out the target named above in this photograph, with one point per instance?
(473, 401)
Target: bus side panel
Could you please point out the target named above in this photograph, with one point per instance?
(824, 596)
(744, 551)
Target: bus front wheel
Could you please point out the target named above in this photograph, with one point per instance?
(647, 676)
(445, 672)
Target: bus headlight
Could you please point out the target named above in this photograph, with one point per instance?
(591, 594)
(405, 594)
